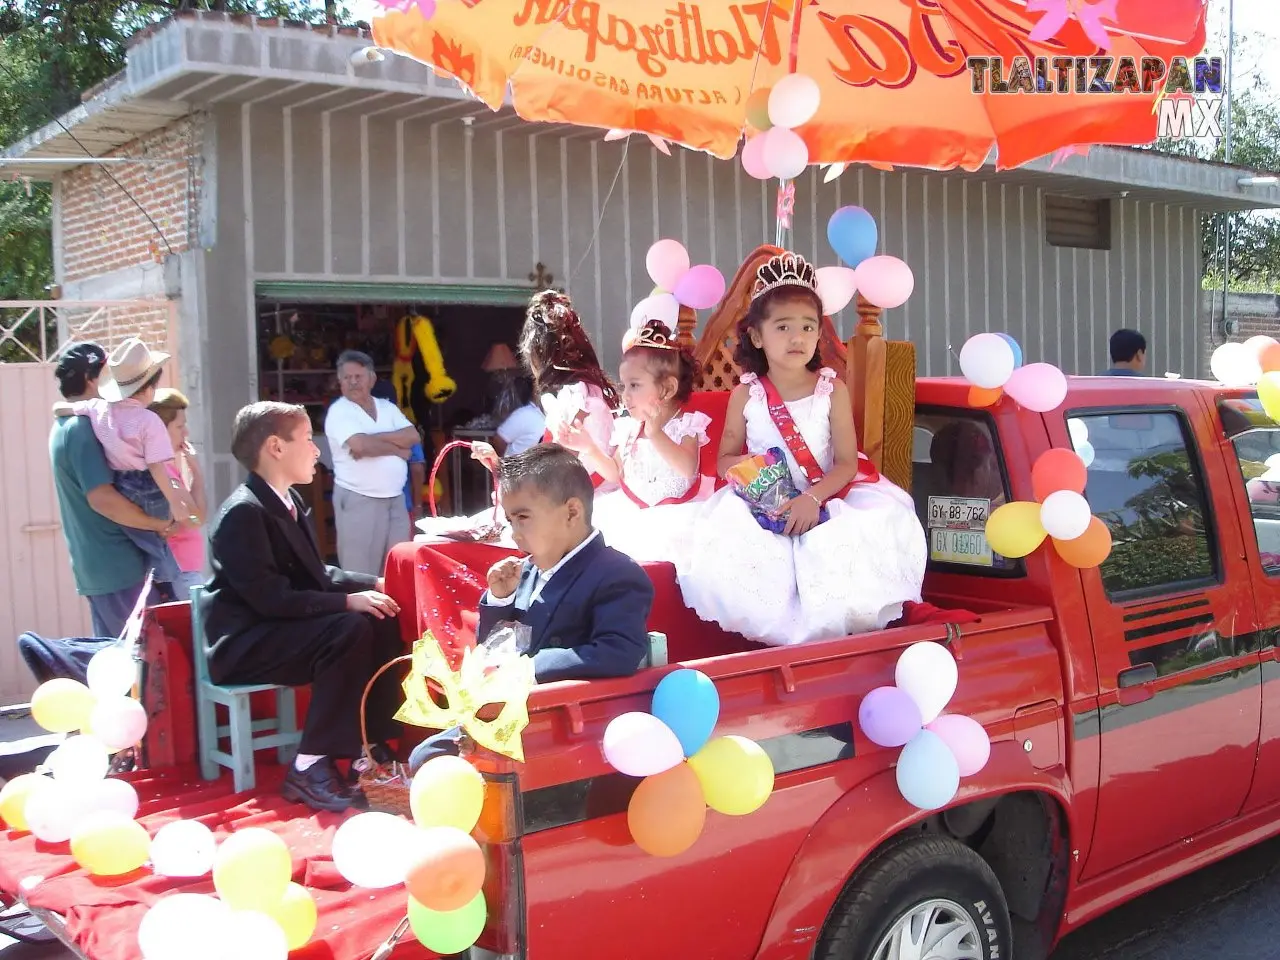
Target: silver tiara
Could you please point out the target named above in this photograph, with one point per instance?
(785, 270)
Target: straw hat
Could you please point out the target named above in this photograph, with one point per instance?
(130, 366)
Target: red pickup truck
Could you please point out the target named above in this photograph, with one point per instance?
(1134, 731)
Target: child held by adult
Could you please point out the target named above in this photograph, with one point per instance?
(851, 551)
(187, 543)
(653, 453)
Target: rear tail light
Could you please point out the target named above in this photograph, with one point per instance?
(498, 832)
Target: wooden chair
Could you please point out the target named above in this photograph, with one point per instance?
(241, 730)
(880, 374)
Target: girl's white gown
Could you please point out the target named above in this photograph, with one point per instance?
(851, 574)
(655, 530)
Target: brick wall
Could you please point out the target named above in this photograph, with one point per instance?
(1257, 313)
(104, 231)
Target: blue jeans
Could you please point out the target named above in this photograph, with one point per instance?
(139, 487)
(109, 611)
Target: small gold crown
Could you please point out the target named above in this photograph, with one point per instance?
(785, 270)
(654, 334)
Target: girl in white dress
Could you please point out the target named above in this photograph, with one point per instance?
(818, 579)
(652, 455)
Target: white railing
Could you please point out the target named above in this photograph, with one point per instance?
(103, 321)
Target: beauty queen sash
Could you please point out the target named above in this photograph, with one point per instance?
(804, 457)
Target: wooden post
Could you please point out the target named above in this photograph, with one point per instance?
(867, 353)
(685, 326)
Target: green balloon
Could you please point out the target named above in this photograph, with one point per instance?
(451, 931)
(758, 109)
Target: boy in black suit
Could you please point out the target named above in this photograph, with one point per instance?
(586, 604)
(274, 613)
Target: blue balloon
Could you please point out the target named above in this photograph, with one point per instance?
(928, 774)
(1013, 345)
(852, 233)
(687, 702)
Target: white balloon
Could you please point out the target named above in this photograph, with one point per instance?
(112, 672)
(785, 154)
(184, 848)
(1079, 431)
(987, 360)
(836, 286)
(252, 935)
(114, 796)
(927, 673)
(660, 306)
(1065, 514)
(80, 759)
(794, 100)
(1235, 365)
(118, 722)
(184, 926)
(375, 850)
(1256, 345)
(1086, 453)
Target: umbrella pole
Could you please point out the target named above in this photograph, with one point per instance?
(783, 212)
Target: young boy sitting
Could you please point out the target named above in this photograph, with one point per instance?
(586, 604)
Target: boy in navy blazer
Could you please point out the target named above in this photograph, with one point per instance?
(586, 604)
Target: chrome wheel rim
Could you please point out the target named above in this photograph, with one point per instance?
(933, 930)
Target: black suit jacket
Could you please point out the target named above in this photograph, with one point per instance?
(267, 570)
(590, 620)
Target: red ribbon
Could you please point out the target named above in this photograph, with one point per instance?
(786, 203)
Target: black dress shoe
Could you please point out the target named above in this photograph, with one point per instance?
(319, 787)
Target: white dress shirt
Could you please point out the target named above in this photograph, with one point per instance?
(542, 576)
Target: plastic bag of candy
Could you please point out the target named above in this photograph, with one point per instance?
(764, 482)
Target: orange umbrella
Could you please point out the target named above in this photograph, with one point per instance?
(896, 87)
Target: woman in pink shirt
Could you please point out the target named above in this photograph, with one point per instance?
(188, 543)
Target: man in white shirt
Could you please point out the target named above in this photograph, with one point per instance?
(370, 441)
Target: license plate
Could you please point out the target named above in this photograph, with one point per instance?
(957, 528)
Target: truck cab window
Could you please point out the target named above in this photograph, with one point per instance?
(957, 480)
(1255, 437)
(1144, 483)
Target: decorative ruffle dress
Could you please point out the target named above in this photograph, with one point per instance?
(651, 516)
(850, 574)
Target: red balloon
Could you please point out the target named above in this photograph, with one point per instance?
(1058, 469)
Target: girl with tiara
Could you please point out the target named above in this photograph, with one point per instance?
(850, 551)
(653, 453)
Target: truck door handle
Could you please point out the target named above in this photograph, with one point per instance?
(1136, 676)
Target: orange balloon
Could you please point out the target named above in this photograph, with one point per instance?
(982, 397)
(1270, 358)
(449, 873)
(1058, 469)
(1089, 549)
(667, 812)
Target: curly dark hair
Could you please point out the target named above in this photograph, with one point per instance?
(556, 350)
(749, 357)
(661, 364)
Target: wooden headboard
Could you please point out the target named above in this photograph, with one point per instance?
(881, 374)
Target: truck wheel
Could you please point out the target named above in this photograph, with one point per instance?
(925, 898)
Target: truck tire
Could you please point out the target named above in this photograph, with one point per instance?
(923, 898)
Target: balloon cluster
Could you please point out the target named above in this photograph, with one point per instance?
(684, 771)
(676, 284)
(259, 913)
(776, 150)
(1060, 512)
(992, 363)
(937, 749)
(884, 281)
(436, 858)
(1256, 361)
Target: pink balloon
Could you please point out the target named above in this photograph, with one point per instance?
(885, 281)
(836, 287)
(1038, 386)
(118, 722)
(785, 153)
(113, 796)
(641, 745)
(753, 158)
(701, 288)
(967, 740)
(667, 261)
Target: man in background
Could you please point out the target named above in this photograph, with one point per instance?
(1128, 354)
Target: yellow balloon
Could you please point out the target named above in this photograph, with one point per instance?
(252, 870)
(109, 844)
(62, 705)
(1269, 394)
(736, 774)
(447, 792)
(1014, 529)
(13, 799)
(296, 913)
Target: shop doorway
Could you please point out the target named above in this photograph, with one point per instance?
(299, 341)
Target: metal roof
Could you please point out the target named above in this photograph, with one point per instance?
(196, 60)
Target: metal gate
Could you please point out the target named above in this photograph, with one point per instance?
(37, 592)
